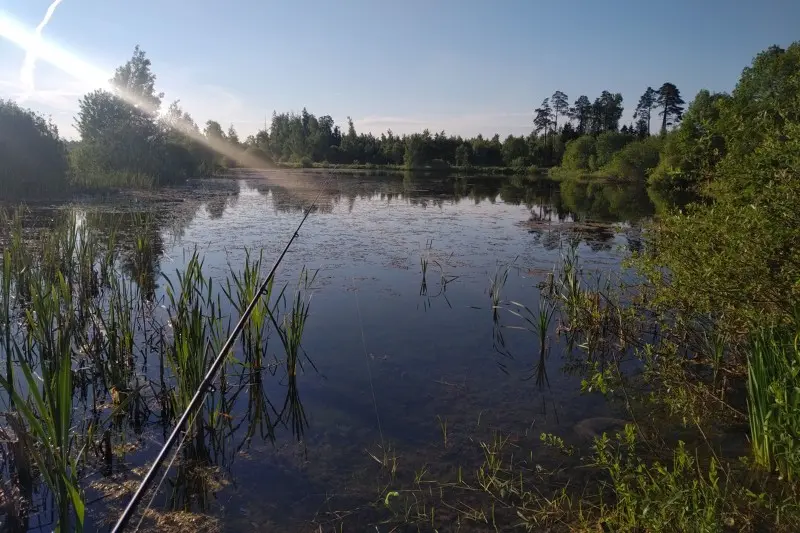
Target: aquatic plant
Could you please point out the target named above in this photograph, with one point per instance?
(46, 414)
(773, 399)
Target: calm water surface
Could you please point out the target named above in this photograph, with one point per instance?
(391, 359)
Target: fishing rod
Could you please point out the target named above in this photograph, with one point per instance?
(209, 377)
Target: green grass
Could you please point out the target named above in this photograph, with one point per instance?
(46, 415)
(78, 322)
(773, 399)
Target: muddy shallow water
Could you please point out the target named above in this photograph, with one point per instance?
(397, 363)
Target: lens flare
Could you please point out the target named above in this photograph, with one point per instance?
(29, 64)
(93, 76)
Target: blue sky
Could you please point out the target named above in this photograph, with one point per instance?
(463, 66)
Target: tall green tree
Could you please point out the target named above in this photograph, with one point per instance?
(581, 112)
(671, 104)
(135, 81)
(692, 150)
(122, 140)
(606, 112)
(34, 159)
(213, 131)
(560, 103)
(232, 136)
(644, 110)
(543, 118)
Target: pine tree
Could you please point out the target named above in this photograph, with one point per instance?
(581, 112)
(543, 119)
(671, 104)
(644, 111)
(560, 103)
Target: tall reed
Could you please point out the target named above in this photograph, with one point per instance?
(773, 399)
(47, 414)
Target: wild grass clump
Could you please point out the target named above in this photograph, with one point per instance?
(81, 318)
(773, 399)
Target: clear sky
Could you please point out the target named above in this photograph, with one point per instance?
(464, 66)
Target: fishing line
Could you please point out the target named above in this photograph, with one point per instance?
(364, 342)
(369, 367)
(202, 390)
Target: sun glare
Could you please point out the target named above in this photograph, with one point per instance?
(98, 78)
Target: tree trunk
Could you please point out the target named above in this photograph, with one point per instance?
(664, 121)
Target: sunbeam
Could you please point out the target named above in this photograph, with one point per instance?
(82, 70)
(26, 73)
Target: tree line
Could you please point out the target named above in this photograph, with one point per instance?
(126, 144)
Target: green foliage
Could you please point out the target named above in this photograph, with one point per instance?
(560, 102)
(581, 112)
(543, 118)
(609, 143)
(760, 126)
(671, 104)
(579, 154)
(635, 160)
(644, 111)
(124, 144)
(773, 398)
(43, 416)
(34, 159)
(692, 150)
(605, 113)
(463, 155)
(744, 263)
(683, 496)
(414, 156)
(514, 148)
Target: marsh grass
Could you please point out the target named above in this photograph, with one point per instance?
(46, 414)
(773, 399)
(427, 261)
(290, 333)
(80, 316)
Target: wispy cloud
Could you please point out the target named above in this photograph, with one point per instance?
(28, 69)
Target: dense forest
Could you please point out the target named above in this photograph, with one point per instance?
(702, 349)
(125, 144)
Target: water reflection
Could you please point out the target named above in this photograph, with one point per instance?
(370, 228)
(552, 201)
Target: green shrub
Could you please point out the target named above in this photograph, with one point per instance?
(635, 160)
(520, 164)
(579, 154)
(609, 143)
(682, 496)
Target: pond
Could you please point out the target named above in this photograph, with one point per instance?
(406, 360)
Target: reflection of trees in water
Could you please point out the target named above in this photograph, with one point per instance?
(141, 246)
(596, 236)
(567, 200)
(225, 196)
(582, 211)
(606, 201)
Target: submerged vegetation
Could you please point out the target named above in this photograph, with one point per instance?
(696, 343)
(93, 355)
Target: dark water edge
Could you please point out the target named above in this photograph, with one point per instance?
(391, 362)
